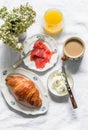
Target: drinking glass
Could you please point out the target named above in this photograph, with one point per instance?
(53, 21)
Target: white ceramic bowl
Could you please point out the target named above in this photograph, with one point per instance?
(56, 79)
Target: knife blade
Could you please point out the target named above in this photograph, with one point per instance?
(73, 101)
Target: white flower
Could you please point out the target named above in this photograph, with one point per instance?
(19, 46)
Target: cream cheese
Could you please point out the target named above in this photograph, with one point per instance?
(58, 82)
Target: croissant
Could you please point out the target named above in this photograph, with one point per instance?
(24, 90)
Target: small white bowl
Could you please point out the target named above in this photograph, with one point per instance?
(56, 78)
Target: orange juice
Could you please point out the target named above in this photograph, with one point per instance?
(53, 21)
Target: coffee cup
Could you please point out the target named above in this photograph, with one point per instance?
(73, 49)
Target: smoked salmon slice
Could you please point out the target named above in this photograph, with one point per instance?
(40, 54)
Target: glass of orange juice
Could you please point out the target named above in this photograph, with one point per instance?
(53, 21)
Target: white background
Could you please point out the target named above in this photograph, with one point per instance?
(60, 115)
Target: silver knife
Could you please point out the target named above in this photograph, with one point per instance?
(73, 101)
(20, 60)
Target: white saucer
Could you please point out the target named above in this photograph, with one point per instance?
(52, 45)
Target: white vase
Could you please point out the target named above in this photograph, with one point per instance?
(8, 56)
(22, 37)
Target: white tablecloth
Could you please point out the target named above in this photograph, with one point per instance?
(60, 115)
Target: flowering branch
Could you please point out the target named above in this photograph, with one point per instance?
(15, 23)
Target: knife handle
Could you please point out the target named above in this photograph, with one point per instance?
(20, 60)
(73, 101)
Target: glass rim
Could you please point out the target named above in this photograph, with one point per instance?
(49, 9)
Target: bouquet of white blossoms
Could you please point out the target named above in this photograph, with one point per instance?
(16, 22)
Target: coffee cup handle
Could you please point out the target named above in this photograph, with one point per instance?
(64, 57)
